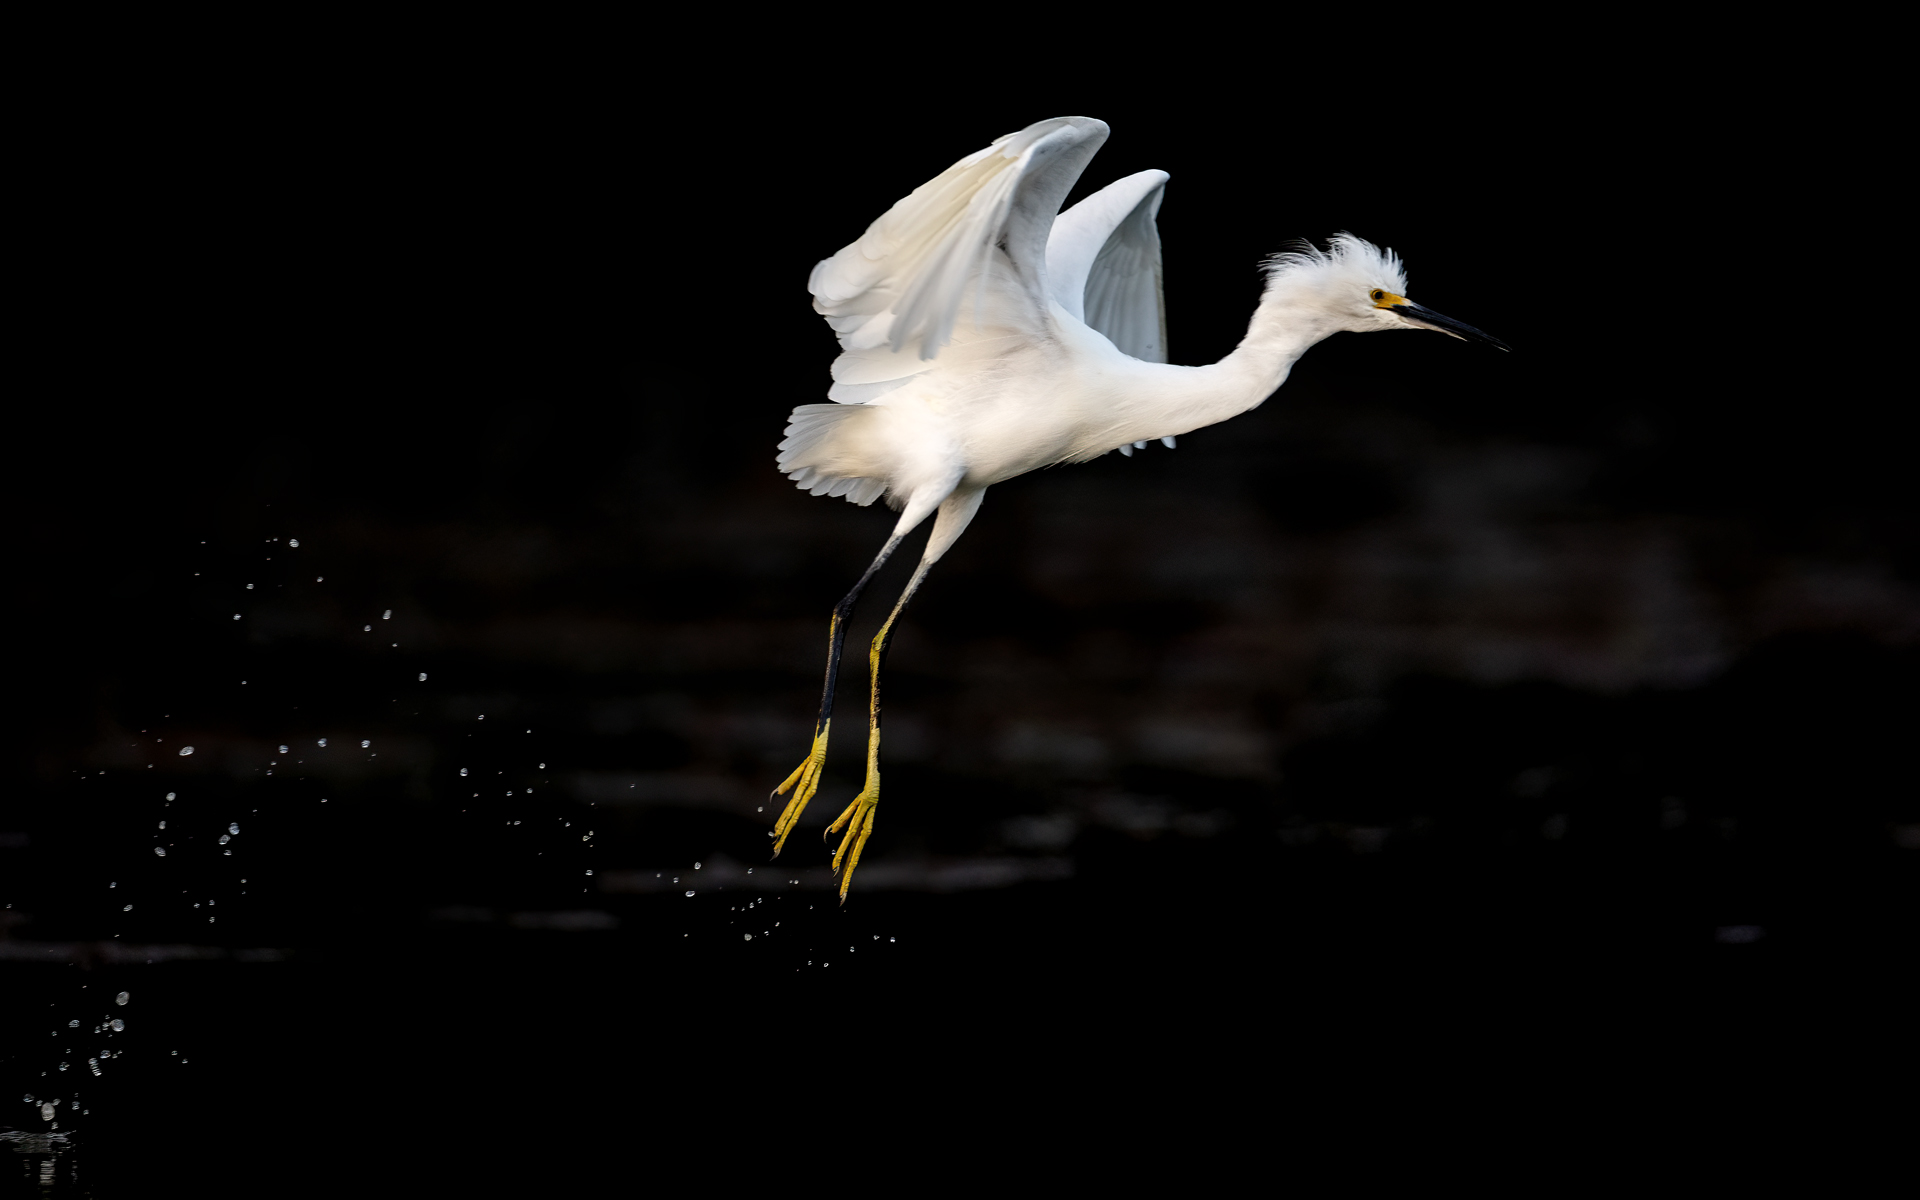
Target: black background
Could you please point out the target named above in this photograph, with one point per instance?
(508, 349)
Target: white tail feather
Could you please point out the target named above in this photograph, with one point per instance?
(827, 452)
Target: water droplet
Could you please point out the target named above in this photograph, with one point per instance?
(463, 770)
(128, 908)
(323, 742)
(293, 543)
(224, 838)
(319, 578)
(163, 824)
(234, 828)
(236, 616)
(46, 1111)
(169, 795)
(366, 629)
(689, 893)
(184, 751)
(748, 936)
(543, 766)
(283, 749)
(119, 1026)
(696, 866)
(121, 998)
(423, 677)
(249, 587)
(161, 851)
(387, 615)
(364, 743)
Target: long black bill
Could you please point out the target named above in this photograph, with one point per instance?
(1426, 318)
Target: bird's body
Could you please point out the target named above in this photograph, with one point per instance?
(1004, 410)
(984, 334)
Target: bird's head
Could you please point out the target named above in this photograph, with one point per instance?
(1358, 287)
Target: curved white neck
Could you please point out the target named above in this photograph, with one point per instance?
(1282, 329)
(1158, 400)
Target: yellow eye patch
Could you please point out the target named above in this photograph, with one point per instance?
(1385, 299)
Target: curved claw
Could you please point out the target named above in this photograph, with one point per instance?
(804, 782)
(858, 822)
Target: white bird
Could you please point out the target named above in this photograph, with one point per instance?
(984, 334)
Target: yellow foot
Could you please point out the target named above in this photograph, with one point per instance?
(858, 822)
(807, 776)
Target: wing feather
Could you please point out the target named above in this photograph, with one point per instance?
(963, 257)
(1103, 263)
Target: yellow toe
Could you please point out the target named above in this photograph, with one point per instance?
(804, 782)
(857, 820)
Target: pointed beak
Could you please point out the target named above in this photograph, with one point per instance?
(1421, 316)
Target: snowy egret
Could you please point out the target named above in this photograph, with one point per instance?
(984, 334)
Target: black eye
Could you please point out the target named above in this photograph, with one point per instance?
(1379, 295)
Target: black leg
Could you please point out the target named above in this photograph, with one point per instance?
(805, 779)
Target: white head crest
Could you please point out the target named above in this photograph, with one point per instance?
(1348, 263)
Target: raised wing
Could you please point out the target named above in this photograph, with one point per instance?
(1103, 264)
(966, 251)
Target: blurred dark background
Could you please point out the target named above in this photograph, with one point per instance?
(1591, 665)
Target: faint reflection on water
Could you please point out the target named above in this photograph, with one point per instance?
(900, 874)
(46, 1162)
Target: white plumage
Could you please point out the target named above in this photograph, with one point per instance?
(984, 334)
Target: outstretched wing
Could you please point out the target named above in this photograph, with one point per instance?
(963, 258)
(1103, 264)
